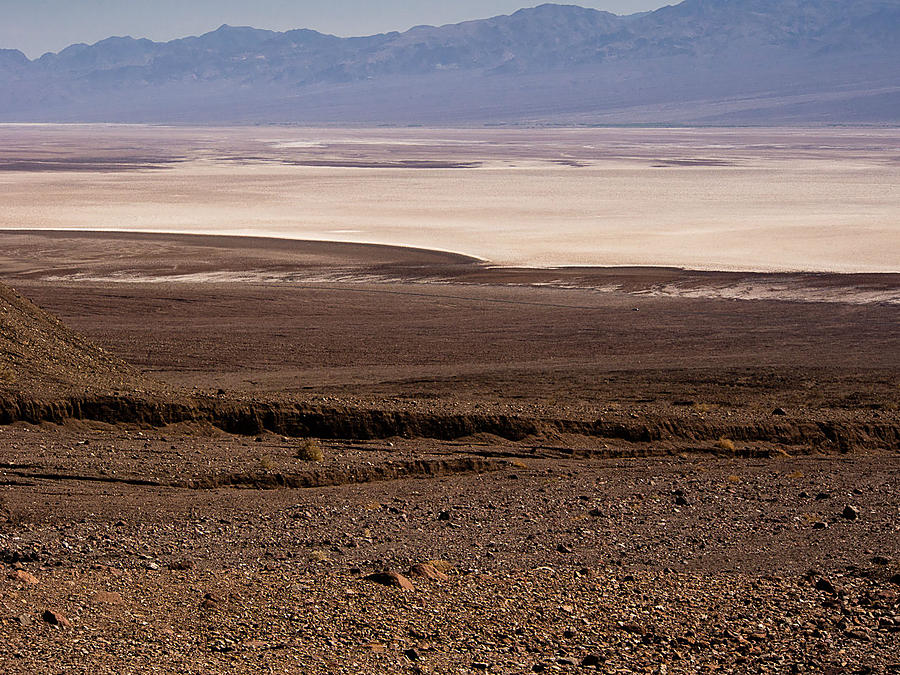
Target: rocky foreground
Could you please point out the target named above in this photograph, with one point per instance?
(488, 556)
(483, 476)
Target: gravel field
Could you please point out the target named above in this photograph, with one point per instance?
(675, 564)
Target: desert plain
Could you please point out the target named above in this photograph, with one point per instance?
(615, 400)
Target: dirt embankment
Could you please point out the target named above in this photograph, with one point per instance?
(300, 420)
(37, 351)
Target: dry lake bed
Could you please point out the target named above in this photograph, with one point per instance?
(723, 199)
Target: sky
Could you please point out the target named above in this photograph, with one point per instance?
(39, 26)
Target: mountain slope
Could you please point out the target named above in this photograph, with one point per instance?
(761, 61)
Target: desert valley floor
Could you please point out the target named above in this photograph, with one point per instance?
(569, 469)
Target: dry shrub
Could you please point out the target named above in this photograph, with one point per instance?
(725, 444)
(309, 450)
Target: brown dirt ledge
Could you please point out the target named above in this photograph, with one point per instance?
(300, 420)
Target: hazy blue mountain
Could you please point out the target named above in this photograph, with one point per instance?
(11, 60)
(701, 61)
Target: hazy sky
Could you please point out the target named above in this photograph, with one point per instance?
(38, 26)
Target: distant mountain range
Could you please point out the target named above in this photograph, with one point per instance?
(698, 62)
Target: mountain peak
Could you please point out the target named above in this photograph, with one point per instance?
(226, 29)
(555, 9)
(12, 57)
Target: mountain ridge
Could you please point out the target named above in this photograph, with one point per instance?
(504, 68)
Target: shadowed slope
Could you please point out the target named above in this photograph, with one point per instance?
(39, 354)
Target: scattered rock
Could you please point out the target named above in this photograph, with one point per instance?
(850, 512)
(11, 557)
(411, 654)
(633, 628)
(24, 577)
(562, 548)
(881, 560)
(595, 513)
(826, 586)
(895, 579)
(393, 579)
(592, 661)
(55, 618)
(24, 620)
(222, 645)
(426, 571)
(108, 597)
(680, 500)
(440, 565)
(820, 525)
(780, 412)
(822, 496)
(444, 515)
(181, 565)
